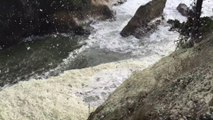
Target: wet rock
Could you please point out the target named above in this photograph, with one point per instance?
(183, 9)
(102, 12)
(148, 29)
(23, 18)
(118, 2)
(108, 2)
(144, 15)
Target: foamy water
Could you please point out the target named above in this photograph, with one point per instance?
(74, 93)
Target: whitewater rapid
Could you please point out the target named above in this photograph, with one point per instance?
(141, 53)
(75, 93)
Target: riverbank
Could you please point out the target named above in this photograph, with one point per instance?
(101, 64)
(177, 87)
(45, 56)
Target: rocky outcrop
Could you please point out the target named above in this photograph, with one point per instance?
(144, 15)
(179, 86)
(22, 18)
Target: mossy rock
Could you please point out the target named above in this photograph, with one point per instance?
(144, 15)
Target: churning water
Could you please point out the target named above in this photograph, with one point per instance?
(106, 59)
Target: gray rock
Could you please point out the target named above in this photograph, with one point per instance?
(183, 9)
(22, 18)
(144, 15)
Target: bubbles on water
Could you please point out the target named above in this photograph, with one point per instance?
(106, 36)
(102, 85)
(41, 10)
(7, 70)
(28, 48)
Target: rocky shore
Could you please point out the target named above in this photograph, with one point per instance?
(53, 66)
(179, 86)
(22, 18)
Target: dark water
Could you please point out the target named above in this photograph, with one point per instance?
(35, 57)
(93, 57)
(42, 57)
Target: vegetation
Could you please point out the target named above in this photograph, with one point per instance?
(186, 28)
(194, 29)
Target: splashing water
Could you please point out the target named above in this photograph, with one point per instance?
(138, 53)
(58, 97)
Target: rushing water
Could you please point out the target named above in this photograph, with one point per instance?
(106, 45)
(106, 59)
(47, 56)
(94, 68)
(38, 55)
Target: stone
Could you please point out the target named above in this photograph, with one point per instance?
(144, 15)
(22, 18)
(183, 9)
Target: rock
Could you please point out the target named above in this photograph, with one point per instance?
(109, 3)
(150, 28)
(65, 22)
(183, 9)
(23, 18)
(118, 2)
(102, 12)
(144, 15)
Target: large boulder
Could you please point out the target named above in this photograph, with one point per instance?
(22, 18)
(144, 15)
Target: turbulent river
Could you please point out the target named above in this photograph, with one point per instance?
(42, 57)
(96, 65)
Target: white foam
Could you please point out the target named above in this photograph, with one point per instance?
(207, 9)
(63, 97)
(107, 34)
